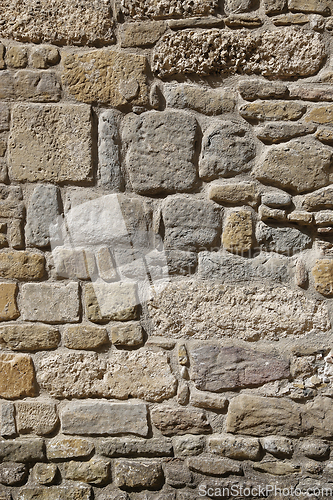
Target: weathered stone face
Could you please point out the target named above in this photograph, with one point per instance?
(36, 417)
(17, 376)
(8, 306)
(140, 9)
(174, 421)
(238, 233)
(43, 211)
(22, 265)
(323, 277)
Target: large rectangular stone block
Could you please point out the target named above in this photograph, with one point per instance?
(104, 418)
(22, 450)
(50, 143)
(22, 265)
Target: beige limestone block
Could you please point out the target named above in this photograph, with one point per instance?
(106, 76)
(178, 420)
(50, 143)
(17, 376)
(277, 468)
(22, 265)
(134, 474)
(8, 306)
(205, 100)
(252, 89)
(16, 56)
(321, 114)
(270, 110)
(239, 193)
(238, 232)
(36, 417)
(43, 56)
(214, 466)
(141, 34)
(141, 9)
(237, 447)
(96, 471)
(323, 277)
(29, 337)
(111, 301)
(85, 337)
(68, 447)
(44, 473)
(127, 334)
(321, 199)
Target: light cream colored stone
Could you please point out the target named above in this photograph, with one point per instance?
(239, 193)
(321, 199)
(50, 143)
(202, 399)
(101, 76)
(238, 232)
(22, 265)
(267, 213)
(178, 420)
(277, 468)
(74, 23)
(16, 56)
(274, 6)
(205, 100)
(252, 89)
(272, 110)
(236, 447)
(214, 466)
(36, 417)
(138, 474)
(141, 34)
(221, 311)
(128, 334)
(17, 376)
(140, 374)
(281, 132)
(323, 277)
(325, 135)
(43, 56)
(29, 337)
(141, 9)
(8, 306)
(85, 337)
(68, 447)
(111, 301)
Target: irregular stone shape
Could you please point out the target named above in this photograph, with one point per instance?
(12, 473)
(22, 450)
(238, 232)
(316, 417)
(317, 6)
(221, 311)
(278, 446)
(325, 135)
(274, 6)
(209, 401)
(123, 447)
(106, 265)
(8, 306)
(284, 166)
(190, 223)
(238, 6)
(181, 262)
(29, 337)
(274, 133)
(215, 368)
(110, 174)
(4, 117)
(22, 265)
(321, 199)
(10, 201)
(141, 9)
(276, 199)
(268, 110)
(44, 56)
(84, 337)
(175, 420)
(43, 210)
(323, 218)
(259, 416)
(17, 376)
(36, 86)
(214, 466)
(177, 474)
(321, 114)
(127, 334)
(104, 418)
(106, 76)
(314, 448)
(75, 263)
(36, 417)
(140, 374)
(323, 277)
(227, 149)
(206, 101)
(44, 473)
(281, 53)
(78, 492)
(239, 193)
(7, 415)
(161, 150)
(50, 302)
(61, 152)
(96, 471)
(251, 90)
(141, 34)
(16, 56)
(83, 23)
(271, 214)
(310, 93)
(68, 447)
(277, 468)
(188, 445)
(284, 240)
(133, 474)
(234, 447)
(111, 301)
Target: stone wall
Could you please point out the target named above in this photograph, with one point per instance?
(166, 262)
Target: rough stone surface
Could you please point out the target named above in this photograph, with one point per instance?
(43, 210)
(172, 421)
(284, 166)
(17, 376)
(12, 473)
(50, 303)
(274, 6)
(215, 368)
(206, 101)
(238, 232)
(34, 86)
(128, 334)
(209, 401)
(282, 132)
(317, 6)
(234, 446)
(234, 193)
(68, 447)
(36, 417)
(22, 265)
(29, 337)
(284, 53)
(96, 471)
(188, 445)
(321, 199)
(44, 56)
(85, 337)
(278, 446)
(160, 152)
(104, 418)
(22, 450)
(227, 149)
(270, 110)
(44, 473)
(251, 89)
(120, 447)
(141, 34)
(141, 9)
(323, 277)
(106, 76)
(8, 425)
(68, 492)
(190, 224)
(71, 23)
(8, 306)
(109, 150)
(314, 448)
(134, 474)
(140, 374)
(215, 312)
(214, 466)
(111, 301)
(50, 143)
(285, 240)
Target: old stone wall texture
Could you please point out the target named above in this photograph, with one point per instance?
(166, 249)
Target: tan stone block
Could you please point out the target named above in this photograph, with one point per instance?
(317, 6)
(8, 306)
(85, 337)
(290, 19)
(16, 56)
(96, 471)
(111, 301)
(323, 277)
(214, 466)
(277, 468)
(29, 337)
(68, 447)
(321, 114)
(37, 86)
(236, 447)
(17, 376)
(50, 143)
(206, 101)
(238, 232)
(43, 56)
(274, 6)
(239, 193)
(104, 76)
(127, 334)
(22, 265)
(36, 417)
(141, 34)
(134, 474)
(141, 9)
(325, 135)
(44, 473)
(2, 53)
(270, 110)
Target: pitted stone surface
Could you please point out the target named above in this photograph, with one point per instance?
(29, 337)
(140, 374)
(141, 9)
(176, 421)
(221, 311)
(73, 23)
(36, 417)
(284, 53)
(22, 265)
